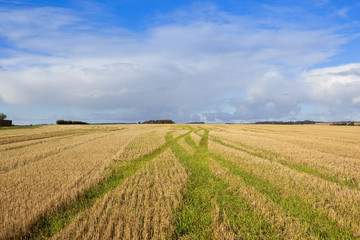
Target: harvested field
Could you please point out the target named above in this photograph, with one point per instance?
(196, 138)
(187, 147)
(142, 207)
(180, 182)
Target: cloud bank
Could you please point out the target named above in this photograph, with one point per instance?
(214, 67)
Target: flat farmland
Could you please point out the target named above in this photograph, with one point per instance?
(180, 182)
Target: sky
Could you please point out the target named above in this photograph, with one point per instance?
(237, 61)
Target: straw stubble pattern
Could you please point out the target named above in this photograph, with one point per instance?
(181, 181)
(141, 208)
(340, 204)
(37, 180)
(276, 215)
(36, 189)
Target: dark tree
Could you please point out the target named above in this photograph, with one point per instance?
(62, 122)
(2, 116)
(166, 121)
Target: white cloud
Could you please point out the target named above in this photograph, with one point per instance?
(340, 84)
(177, 70)
(336, 88)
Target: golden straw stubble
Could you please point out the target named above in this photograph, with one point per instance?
(40, 188)
(141, 208)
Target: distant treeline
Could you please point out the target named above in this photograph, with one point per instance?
(343, 124)
(60, 122)
(196, 123)
(287, 123)
(166, 121)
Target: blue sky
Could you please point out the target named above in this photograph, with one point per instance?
(212, 61)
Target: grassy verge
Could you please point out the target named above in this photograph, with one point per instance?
(20, 127)
(315, 222)
(48, 226)
(352, 184)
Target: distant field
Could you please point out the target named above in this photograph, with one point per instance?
(180, 182)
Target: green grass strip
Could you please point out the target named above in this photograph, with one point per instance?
(265, 154)
(195, 218)
(315, 222)
(48, 226)
(244, 220)
(20, 127)
(191, 142)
